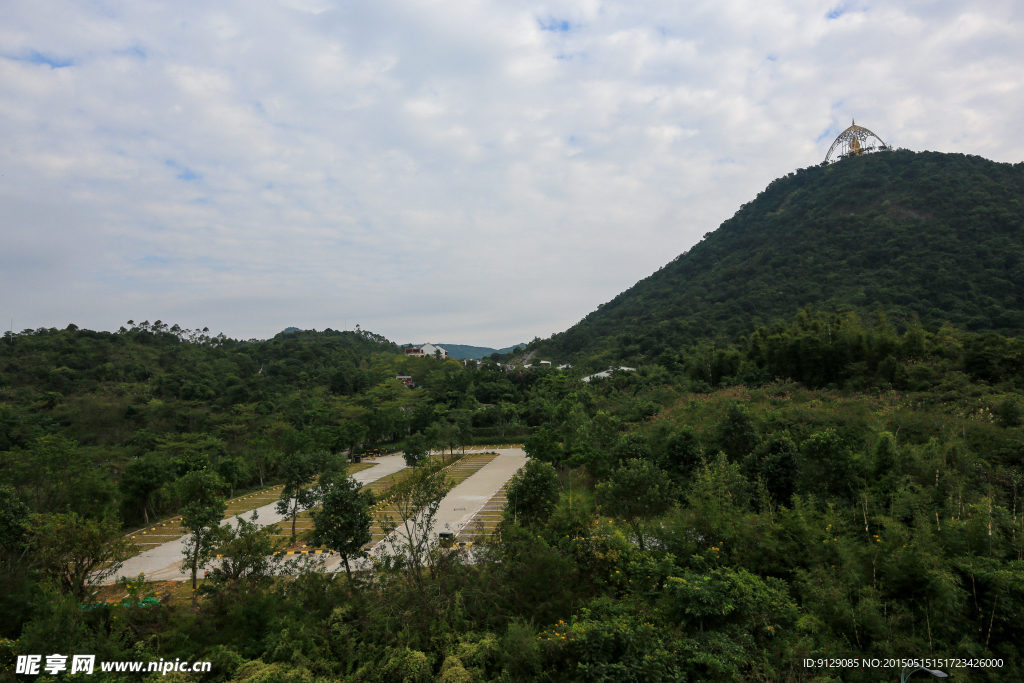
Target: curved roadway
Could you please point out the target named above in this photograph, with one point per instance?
(163, 563)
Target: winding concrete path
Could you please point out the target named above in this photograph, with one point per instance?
(461, 503)
(163, 563)
(466, 499)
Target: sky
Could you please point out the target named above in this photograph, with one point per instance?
(457, 171)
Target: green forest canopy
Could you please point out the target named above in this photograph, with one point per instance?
(869, 505)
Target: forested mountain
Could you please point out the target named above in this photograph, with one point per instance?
(816, 457)
(932, 235)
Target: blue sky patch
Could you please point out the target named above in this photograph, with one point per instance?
(185, 172)
(34, 57)
(830, 132)
(557, 25)
(836, 12)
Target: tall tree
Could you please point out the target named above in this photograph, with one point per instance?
(776, 461)
(232, 471)
(737, 435)
(545, 444)
(350, 435)
(200, 517)
(342, 523)
(633, 445)
(683, 451)
(191, 451)
(462, 422)
(828, 465)
(532, 493)
(416, 500)
(636, 492)
(74, 550)
(298, 471)
(415, 449)
(249, 550)
(141, 479)
(263, 457)
(16, 580)
(443, 434)
(14, 517)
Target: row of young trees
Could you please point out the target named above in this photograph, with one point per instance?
(80, 553)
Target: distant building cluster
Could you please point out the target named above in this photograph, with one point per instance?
(425, 351)
(431, 350)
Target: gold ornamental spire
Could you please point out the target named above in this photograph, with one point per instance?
(855, 141)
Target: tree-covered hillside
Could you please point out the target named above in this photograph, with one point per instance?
(929, 235)
(102, 386)
(695, 520)
(101, 408)
(815, 457)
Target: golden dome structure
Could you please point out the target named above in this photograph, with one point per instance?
(855, 141)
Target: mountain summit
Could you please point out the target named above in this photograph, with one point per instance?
(926, 234)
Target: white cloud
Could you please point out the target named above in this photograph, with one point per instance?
(476, 172)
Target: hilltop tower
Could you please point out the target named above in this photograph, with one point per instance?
(855, 141)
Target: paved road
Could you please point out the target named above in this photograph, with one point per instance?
(163, 563)
(463, 501)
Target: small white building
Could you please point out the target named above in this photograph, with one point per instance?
(425, 350)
